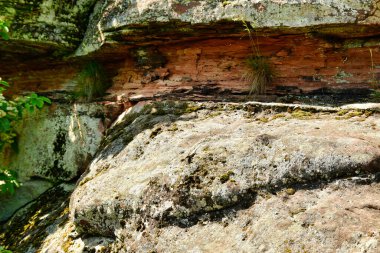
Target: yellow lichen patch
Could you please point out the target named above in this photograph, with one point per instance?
(263, 119)
(342, 112)
(301, 114)
(355, 113)
(173, 128)
(290, 191)
(350, 114)
(277, 116)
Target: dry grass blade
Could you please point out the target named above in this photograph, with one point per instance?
(259, 74)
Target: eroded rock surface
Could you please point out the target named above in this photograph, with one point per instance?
(53, 145)
(200, 177)
(40, 27)
(234, 172)
(114, 20)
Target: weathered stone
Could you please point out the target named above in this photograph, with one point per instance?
(29, 191)
(41, 27)
(126, 18)
(206, 177)
(198, 49)
(173, 164)
(27, 230)
(58, 142)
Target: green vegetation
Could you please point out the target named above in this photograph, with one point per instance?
(91, 83)
(11, 111)
(225, 177)
(4, 30)
(3, 250)
(260, 72)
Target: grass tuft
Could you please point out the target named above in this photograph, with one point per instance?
(259, 75)
(91, 82)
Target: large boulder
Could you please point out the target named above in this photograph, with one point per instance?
(53, 145)
(112, 21)
(44, 26)
(206, 177)
(177, 170)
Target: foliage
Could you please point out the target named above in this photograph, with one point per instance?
(3, 250)
(4, 30)
(91, 82)
(260, 72)
(11, 111)
(9, 179)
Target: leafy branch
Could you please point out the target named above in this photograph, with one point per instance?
(11, 111)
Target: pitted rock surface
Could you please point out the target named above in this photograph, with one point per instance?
(176, 168)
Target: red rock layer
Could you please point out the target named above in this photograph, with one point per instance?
(302, 63)
(298, 61)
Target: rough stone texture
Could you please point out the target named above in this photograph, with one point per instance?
(53, 145)
(58, 143)
(170, 166)
(199, 48)
(125, 16)
(225, 177)
(42, 26)
(29, 191)
(27, 229)
(215, 67)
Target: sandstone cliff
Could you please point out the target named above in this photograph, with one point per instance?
(172, 157)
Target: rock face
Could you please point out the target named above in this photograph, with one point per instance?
(54, 145)
(124, 17)
(198, 49)
(35, 221)
(233, 177)
(194, 176)
(52, 25)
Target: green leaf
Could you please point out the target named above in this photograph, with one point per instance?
(39, 103)
(4, 83)
(4, 35)
(5, 125)
(46, 100)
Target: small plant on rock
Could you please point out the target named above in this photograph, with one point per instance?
(91, 82)
(3, 250)
(260, 72)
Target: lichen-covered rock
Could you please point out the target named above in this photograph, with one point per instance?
(53, 145)
(207, 177)
(28, 229)
(48, 24)
(29, 191)
(58, 142)
(166, 166)
(113, 20)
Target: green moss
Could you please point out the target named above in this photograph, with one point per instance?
(277, 116)
(225, 177)
(263, 119)
(342, 112)
(301, 114)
